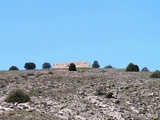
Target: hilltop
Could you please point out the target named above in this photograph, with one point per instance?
(81, 95)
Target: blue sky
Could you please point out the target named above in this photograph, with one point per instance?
(114, 32)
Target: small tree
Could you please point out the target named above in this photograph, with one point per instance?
(132, 67)
(72, 67)
(13, 68)
(17, 96)
(95, 64)
(46, 65)
(108, 66)
(30, 66)
(145, 69)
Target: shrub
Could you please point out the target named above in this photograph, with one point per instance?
(13, 68)
(132, 67)
(50, 72)
(95, 64)
(108, 66)
(46, 65)
(145, 69)
(17, 96)
(72, 67)
(30, 66)
(155, 74)
(109, 95)
(29, 74)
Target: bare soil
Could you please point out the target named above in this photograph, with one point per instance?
(89, 94)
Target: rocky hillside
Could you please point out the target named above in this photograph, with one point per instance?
(93, 94)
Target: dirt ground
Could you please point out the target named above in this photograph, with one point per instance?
(88, 94)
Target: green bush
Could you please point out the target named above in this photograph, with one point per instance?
(145, 69)
(95, 64)
(108, 66)
(17, 96)
(72, 67)
(46, 65)
(155, 74)
(132, 67)
(13, 68)
(30, 66)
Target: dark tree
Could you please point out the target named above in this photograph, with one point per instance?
(46, 65)
(30, 66)
(132, 67)
(72, 67)
(145, 69)
(95, 64)
(13, 68)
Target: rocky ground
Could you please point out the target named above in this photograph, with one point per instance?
(81, 95)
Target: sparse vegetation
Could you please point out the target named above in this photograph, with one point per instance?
(19, 114)
(95, 64)
(50, 72)
(100, 91)
(145, 69)
(13, 68)
(17, 96)
(46, 65)
(109, 95)
(108, 66)
(72, 67)
(30, 66)
(155, 74)
(132, 68)
(36, 92)
(81, 93)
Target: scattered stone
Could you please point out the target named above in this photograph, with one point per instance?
(71, 95)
